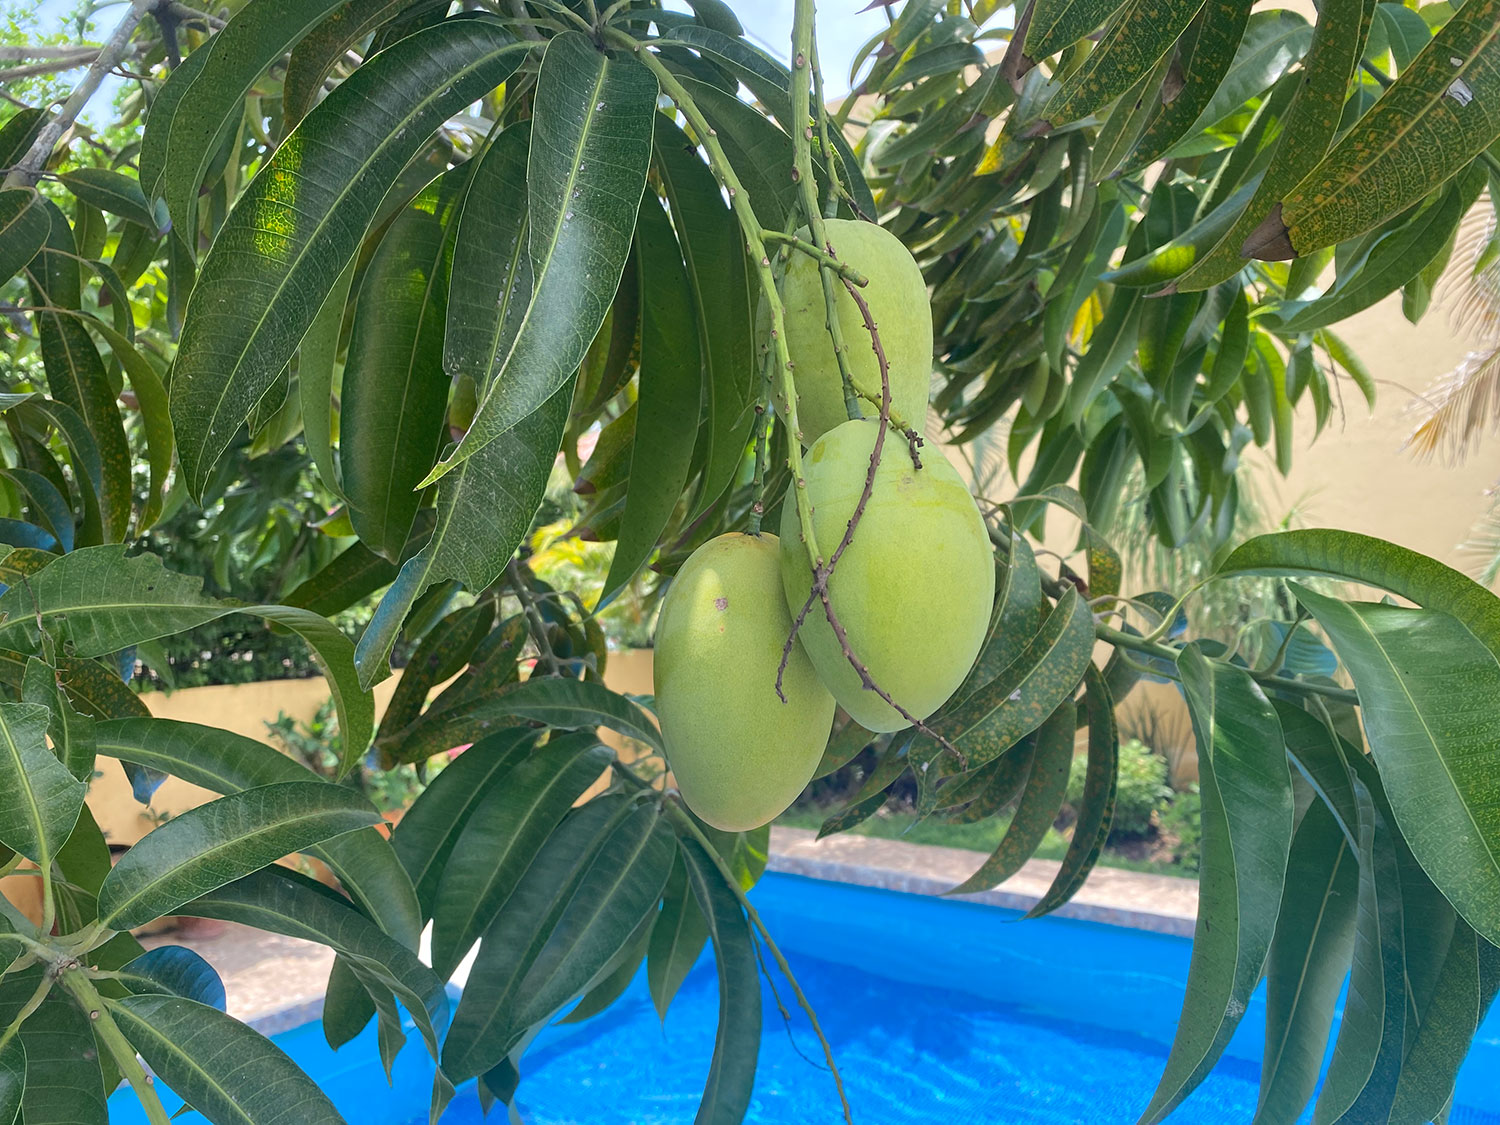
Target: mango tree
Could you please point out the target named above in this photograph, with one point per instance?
(426, 250)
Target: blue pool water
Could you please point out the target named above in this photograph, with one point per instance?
(953, 1013)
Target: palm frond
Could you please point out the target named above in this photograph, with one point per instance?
(1464, 404)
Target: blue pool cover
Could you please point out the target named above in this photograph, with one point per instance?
(938, 1011)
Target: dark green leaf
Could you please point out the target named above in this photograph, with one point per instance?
(484, 510)
(1374, 1012)
(1439, 116)
(425, 837)
(317, 357)
(1347, 556)
(677, 938)
(174, 970)
(321, 49)
(216, 843)
(1427, 691)
(731, 1074)
(317, 193)
(72, 734)
(579, 704)
(1309, 959)
(669, 398)
(63, 1082)
(395, 394)
(1056, 24)
(504, 832)
(204, 102)
(592, 127)
(24, 226)
(283, 902)
(1046, 786)
(491, 266)
(1308, 128)
(1247, 833)
(12, 1080)
(230, 1074)
(39, 798)
(112, 192)
(1099, 783)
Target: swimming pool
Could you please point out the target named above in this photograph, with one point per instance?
(954, 1013)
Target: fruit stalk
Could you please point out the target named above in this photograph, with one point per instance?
(755, 243)
(803, 48)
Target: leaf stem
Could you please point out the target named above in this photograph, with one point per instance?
(678, 814)
(109, 1034)
(534, 619)
(749, 226)
(28, 170)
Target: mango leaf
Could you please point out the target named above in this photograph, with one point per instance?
(72, 734)
(1440, 114)
(1347, 556)
(317, 52)
(591, 130)
(1209, 49)
(1309, 959)
(1014, 619)
(203, 103)
(1374, 1013)
(232, 1075)
(75, 373)
(484, 1027)
(113, 193)
(318, 192)
(677, 938)
(503, 833)
(395, 394)
(216, 843)
(1041, 799)
(12, 1080)
(1427, 688)
(731, 1074)
(490, 260)
(1019, 699)
(1462, 994)
(284, 902)
(1099, 785)
(64, 1085)
(1135, 41)
(484, 510)
(1308, 128)
(1056, 24)
(105, 601)
(579, 704)
(24, 225)
(1394, 261)
(174, 970)
(1247, 833)
(669, 398)
(723, 300)
(224, 762)
(430, 829)
(440, 655)
(39, 798)
(317, 358)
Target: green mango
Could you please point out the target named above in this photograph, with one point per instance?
(899, 306)
(739, 754)
(913, 590)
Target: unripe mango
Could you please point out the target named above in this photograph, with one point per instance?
(740, 755)
(897, 297)
(913, 590)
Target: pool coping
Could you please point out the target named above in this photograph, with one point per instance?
(1136, 900)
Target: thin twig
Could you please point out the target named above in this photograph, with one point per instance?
(534, 618)
(52, 66)
(26, 173)
(823, 257)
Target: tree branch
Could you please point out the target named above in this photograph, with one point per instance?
(28, 171)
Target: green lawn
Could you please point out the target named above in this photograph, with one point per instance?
(983, 836)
